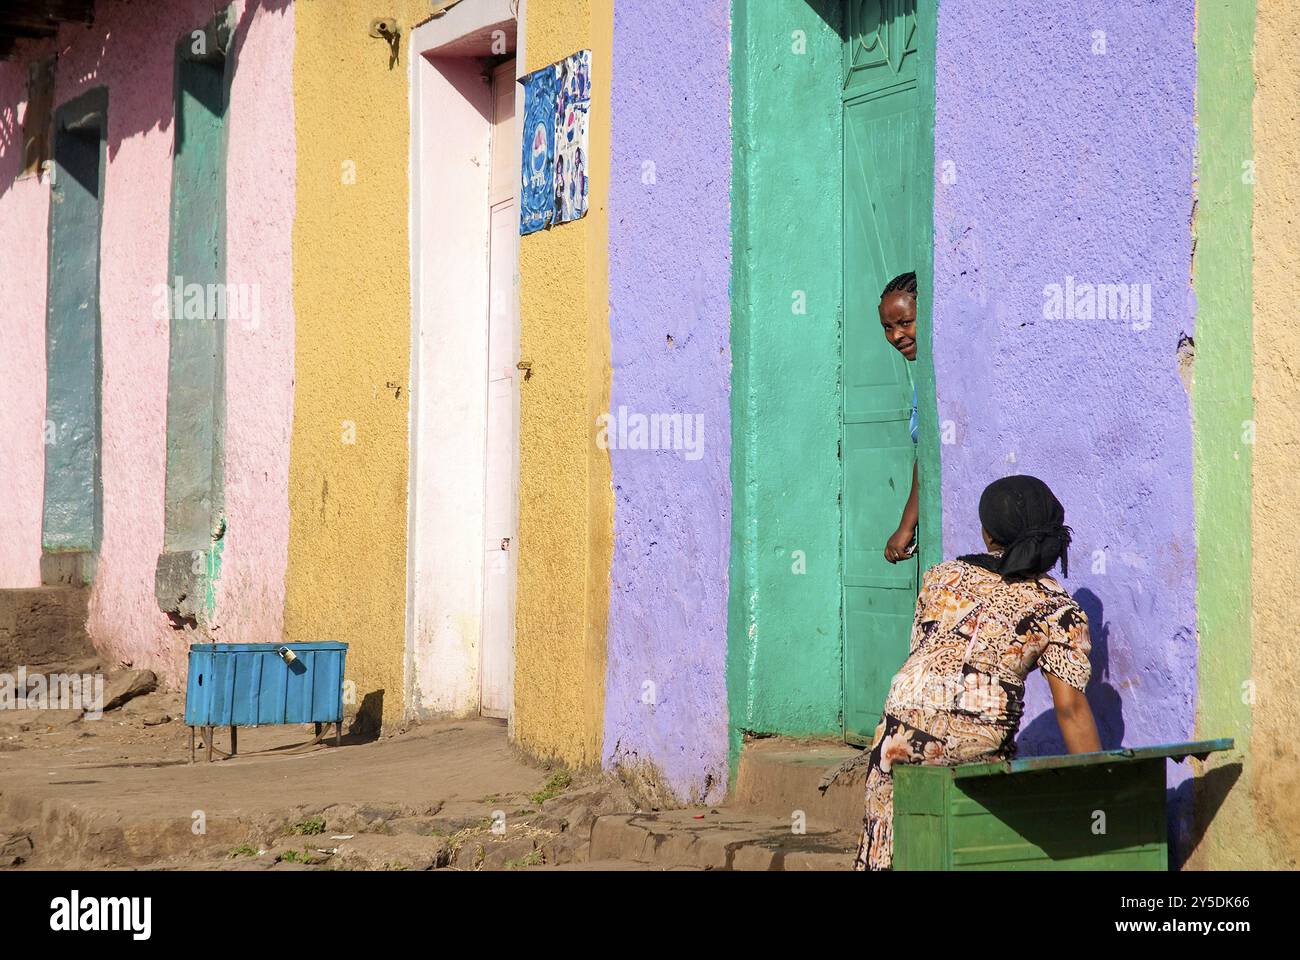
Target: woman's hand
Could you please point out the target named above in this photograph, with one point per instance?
(1078, 729)
(899, 546)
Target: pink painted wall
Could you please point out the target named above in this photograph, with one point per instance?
(130, 51)
(260, 188)
(24, 217)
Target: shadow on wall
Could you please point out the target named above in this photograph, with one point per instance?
(832, 13)
(368, 722)
(1212, 789)
(152, 101)
(1042, 737)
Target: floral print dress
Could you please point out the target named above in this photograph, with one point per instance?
(960, 694)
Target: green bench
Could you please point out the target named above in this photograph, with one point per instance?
(1086, 811)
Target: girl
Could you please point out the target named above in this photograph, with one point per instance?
(898, 320)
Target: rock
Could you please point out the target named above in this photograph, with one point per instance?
(14, 849)
(301, 852)
(372, 851)
(560, 850)
(121, 687)
(580, 808)
(83, 668)
(40, 626)
(579, 818)
(510, 854)
(377, 817)
(469, 855)
(156, 719)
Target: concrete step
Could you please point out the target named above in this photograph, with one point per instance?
(718, 839)
(44, 626)
(778, 777)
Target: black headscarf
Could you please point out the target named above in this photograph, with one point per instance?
(1023, 515)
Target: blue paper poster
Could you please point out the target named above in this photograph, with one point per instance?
(557, 101)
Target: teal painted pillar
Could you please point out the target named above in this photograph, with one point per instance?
(930, 494)
(72, 505)
(783, 631)
(194, 525)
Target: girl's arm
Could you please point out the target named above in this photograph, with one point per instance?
(1078, 729)
(897, 547)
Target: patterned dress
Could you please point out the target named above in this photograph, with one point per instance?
(960, 694)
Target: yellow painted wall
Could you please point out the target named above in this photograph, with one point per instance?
(566, 505)
(347, 539)
(1275, 573)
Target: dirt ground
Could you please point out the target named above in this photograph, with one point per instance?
(120, 792)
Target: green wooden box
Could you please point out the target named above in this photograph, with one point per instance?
(1087, 811)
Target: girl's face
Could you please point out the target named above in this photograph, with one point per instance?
(898, 320)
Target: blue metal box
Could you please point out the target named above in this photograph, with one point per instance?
(248, 684)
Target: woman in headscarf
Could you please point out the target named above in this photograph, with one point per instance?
(983, 622)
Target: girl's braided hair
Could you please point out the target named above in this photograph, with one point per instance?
(903, 283)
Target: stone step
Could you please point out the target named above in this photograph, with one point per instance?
(44, 626)
(778, 777)
(610, 866)
(718, 839)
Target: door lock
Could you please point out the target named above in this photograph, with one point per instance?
(505, 543)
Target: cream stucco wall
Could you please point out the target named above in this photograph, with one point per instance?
(1274, 774)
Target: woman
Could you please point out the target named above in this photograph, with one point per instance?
(983, 622)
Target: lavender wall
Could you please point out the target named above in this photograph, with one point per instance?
(1070, 162)
(670, 264)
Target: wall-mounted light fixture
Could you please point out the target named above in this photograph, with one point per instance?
(389, 30)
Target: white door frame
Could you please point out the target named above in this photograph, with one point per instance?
(451, 111)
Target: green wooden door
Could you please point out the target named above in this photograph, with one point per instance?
(885, 233)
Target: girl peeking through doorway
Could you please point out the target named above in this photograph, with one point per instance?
(898, 320)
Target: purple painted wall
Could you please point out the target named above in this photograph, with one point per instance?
(1075, 163)
(670, 267)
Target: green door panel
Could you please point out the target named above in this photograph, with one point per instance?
(194, 494)
(71, 522)
(885, 234)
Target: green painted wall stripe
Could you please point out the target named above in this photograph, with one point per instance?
(196, 373)
(1222, 406)
(930, 534)
(72, 511)
(194, 503)
(783, 669)
(740, 596)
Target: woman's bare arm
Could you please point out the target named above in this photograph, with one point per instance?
(1078, 729)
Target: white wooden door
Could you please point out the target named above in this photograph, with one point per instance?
(497, 665)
